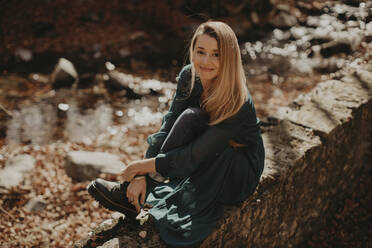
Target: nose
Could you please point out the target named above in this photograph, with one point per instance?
(207, 59)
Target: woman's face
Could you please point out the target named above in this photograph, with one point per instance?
(206, 58)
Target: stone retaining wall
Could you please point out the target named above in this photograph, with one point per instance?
(316, 148)
(316, 151)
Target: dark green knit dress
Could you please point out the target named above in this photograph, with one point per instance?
(206, 173)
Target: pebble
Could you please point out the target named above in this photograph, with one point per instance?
(142, 234)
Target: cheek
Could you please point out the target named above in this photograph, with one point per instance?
(196, 59)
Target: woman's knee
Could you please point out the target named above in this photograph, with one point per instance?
(194, 116)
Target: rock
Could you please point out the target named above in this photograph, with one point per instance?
(142, 234)
(303, 66)
(123, 241)
(124, 52)
(352, 37)
(254, 17)
(117, 215)
(283, 7)
(108, 228)
(328, 28)
(309, 8)
(23, 163)
(344, 12)
(328, 65)
(283, 20)
(15, 169)
(138, 36)
(321, 110)
(369, 26)
(24, 54)
(127, 241)
(38, 78)
(352, 24)
(143, 216)
(5, 116)
(368, 33)
(354, 3)
(35, 204)
(83, 165)
(121, 81)
(364, 76)
(112, 243)
(298, 32)
(281, 35)
(110, 66)
(136, 87)
(322, 21)
(64, 74)
(335, 42)
(333, 47)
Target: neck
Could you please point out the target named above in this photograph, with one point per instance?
(205, 84)
(206, 88)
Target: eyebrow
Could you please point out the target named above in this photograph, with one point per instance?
(215, 50)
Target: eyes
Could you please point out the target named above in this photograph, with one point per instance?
(200, 52)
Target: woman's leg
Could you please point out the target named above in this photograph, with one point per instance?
(112, 195)
(189, 125)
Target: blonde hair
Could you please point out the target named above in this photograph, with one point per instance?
(228, 91)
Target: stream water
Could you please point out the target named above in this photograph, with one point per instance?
(279, 67)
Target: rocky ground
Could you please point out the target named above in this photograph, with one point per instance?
(107, 109)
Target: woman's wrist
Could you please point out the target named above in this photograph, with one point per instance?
(145, 166)
(138, 177)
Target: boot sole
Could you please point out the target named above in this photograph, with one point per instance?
(100, 197)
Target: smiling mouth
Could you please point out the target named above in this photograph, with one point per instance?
(206, 69)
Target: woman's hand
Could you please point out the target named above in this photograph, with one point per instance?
(139, 167)
(136, 192)
(130, 172)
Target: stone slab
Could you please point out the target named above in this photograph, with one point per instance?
(328, 105)
(15, 170)
(84, 165)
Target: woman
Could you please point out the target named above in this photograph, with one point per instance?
(209, 146)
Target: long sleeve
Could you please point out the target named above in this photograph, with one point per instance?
(183, 161)
(178, 105)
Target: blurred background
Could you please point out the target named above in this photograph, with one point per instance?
(99, 75)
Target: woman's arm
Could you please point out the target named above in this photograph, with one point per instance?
(183, 161)
(139, 167)
(178, 105)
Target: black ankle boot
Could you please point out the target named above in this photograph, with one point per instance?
(112, 195)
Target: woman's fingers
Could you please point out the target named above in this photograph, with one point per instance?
(133, 198)
(143, 196)
(136, 192)
(128, 174)
(136, 204)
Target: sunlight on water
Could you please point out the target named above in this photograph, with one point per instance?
(82, 127)
(143, 117)
(32, 125)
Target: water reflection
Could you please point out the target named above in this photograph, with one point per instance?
(83, 127)
(32, 125)
(41, 123)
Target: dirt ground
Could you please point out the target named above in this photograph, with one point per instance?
(70, 213)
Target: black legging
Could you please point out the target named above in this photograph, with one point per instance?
(189, 125)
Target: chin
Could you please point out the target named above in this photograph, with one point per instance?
(205, 79)
(207, 76)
